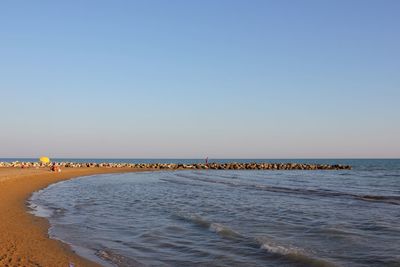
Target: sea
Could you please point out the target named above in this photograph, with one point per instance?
(230, 217)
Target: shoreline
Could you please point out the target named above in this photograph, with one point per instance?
(24, 237)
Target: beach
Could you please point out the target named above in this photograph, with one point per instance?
(176, 215)
(23, 237)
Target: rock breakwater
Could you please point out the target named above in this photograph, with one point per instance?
(177, 166)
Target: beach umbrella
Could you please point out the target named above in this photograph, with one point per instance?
(44, 160)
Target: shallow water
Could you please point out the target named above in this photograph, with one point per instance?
(231, 218)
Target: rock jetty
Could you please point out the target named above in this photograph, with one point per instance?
(178, 166)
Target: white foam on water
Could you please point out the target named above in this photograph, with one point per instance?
(276, 248)
(223, 230)
(37, 209)
(292, 252)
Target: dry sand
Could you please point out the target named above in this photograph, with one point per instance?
(24, 238)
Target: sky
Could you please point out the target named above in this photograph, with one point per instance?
(190, 79)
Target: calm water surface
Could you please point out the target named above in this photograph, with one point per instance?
(231, 218)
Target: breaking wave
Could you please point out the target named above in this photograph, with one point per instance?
(292, 253)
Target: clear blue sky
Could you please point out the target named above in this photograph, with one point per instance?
(237, 79)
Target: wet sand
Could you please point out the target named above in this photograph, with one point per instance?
(24, 238)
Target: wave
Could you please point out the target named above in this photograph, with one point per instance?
(117, 259)
(388, 199)
(44, 210)
(218, 228)
(292, 253)
(227, 174)
(224, 230)
(276, 248)
(264, 243)
(395, 200)
(39, 210)
(178, 182)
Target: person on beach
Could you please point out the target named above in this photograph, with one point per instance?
(55, 168)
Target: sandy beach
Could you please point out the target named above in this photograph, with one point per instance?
(23, 237)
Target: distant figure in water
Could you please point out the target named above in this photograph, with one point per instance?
(207, 161)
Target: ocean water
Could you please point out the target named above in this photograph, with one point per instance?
(231, 218)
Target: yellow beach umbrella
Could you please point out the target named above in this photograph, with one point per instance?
(44, 160)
